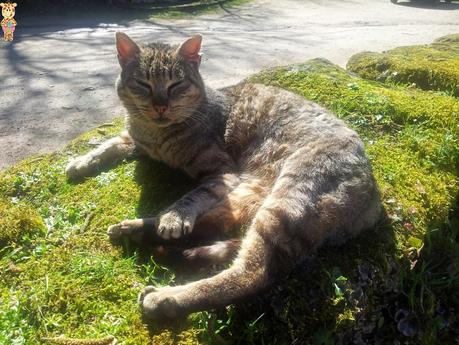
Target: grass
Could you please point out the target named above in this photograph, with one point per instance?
(399, 281)
(428, 67)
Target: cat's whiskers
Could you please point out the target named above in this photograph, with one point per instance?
(195, 115)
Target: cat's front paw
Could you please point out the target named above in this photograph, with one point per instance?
(81, 166)
(158, 303)
(174, 224)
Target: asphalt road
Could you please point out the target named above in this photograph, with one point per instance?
(57, 77)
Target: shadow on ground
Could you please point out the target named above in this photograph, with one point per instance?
(431, 5)
(95, 15)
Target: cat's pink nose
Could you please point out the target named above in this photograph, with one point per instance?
(160, 109)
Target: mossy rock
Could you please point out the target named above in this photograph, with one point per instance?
(379, 287)
(428, 67)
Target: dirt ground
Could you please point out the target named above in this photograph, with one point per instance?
(57, 77)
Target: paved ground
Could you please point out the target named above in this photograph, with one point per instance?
(56, 79)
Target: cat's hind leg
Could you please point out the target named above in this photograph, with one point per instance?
(109, 152)
(247, 275)
(219, 252)
(260, 260)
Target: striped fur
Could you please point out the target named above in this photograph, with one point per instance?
(281, 166)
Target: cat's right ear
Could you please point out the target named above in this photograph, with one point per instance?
(128, 50)
(190, 50)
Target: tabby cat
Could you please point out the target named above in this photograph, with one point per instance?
(290, 171)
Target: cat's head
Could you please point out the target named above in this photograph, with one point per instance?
(158, 82)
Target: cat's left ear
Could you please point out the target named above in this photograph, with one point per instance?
(190, 49)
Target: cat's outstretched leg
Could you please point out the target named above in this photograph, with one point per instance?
(112, 150)
(137, 230)
(179, 219)
(233, 210)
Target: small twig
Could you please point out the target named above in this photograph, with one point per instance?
(108, 124)
(87, 221)
(61, 340)
(36, 159)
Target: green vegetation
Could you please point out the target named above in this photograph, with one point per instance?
(60, 275)
(428, 67)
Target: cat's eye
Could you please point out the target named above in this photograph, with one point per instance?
(143, 84)
(177, 88)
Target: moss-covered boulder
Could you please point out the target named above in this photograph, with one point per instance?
(397, 282)
(428, 67)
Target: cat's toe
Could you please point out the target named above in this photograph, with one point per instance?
(187, 227)
(173, 225)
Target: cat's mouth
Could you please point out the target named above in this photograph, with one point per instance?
(162, 121)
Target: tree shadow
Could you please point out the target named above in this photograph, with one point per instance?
(432, 287)
(96, 15)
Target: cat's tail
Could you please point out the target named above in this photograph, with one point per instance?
(217, 253)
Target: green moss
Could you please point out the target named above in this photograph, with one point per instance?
(18, 222)
(417, 196)
(59, 277)
(429, 67)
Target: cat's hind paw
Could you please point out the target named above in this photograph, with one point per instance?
(158, 303)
